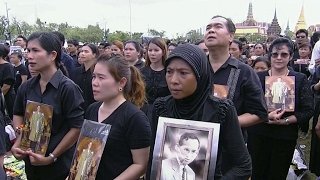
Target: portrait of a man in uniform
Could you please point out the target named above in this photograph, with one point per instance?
(84, 163)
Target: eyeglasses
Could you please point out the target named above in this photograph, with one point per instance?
(282, 55)
(300, 37)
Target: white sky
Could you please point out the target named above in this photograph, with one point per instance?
(172, 16)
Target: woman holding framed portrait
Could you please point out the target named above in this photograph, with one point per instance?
(189, 81)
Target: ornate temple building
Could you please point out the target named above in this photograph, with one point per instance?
(251, 26)
(286, 32)
(274, 28)
(301, 24)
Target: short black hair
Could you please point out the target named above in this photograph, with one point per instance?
(73, 41)
(230, 25)
(3, 51)
(261, 59)
(279, 42)
(239, 43)
(243, 39)
(199, 42)
(104, 44)
(18, 54)
(22, 37)
(186, 136)
(60, 36)
(302, 31)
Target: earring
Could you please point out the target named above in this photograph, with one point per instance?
(120, 89)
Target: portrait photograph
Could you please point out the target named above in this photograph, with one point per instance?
(37, 126)
(90, 146)
(220, 91)
(185, 150)
(280, 93)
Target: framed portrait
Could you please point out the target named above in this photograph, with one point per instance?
(37, 126)
(302, 61)
(88, 153)
(280, 93)
(220, 91)
(185, 150)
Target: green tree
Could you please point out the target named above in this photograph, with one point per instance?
(194, 36)
(154, 32)
(119, 35)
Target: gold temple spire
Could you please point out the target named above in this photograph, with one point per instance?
(301, 24)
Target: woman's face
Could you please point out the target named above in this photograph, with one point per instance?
(258, 50)
(86, 54)
(154, 53)
(171, 48)
(130, 52)
(102, 80)
(115, 49)
(260, 66)
(280, 57)
(234, 50)
(304, 52)
(180, 78)
(39, 59)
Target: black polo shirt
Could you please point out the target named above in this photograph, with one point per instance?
(83, 79)
(65, 97)
(248, 96)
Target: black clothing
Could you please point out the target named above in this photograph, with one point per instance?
(201, 106)
(303, 110)
(248, 97)
(75, 60)
(302, 68)
(19, 71)
(276, 143)
(246, 52)
(68, 63)
(83, 79)
(191, 106)
(67, 101)
(7, 77)
(2, 136)
(130, 130)
(156, 84)
(139, 64)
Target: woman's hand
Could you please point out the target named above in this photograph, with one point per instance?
(276, 114)
(38, 160)
(18, 153)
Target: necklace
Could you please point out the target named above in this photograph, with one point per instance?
(286, 74)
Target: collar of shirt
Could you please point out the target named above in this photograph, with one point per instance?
(54, 81)
(230, 61)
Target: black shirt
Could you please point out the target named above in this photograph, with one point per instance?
(303, 110)
(67, 101)
(156, 84)
(130, 130)
(7, 77)
(19, 71)
(248, 97)
(302, 68)
(68, 63)
(75, 60)
(2, 144)
(139, 64)
(83, 79)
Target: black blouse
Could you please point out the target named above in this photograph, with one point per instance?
(83, 79)
(156, 84)
(219, 111)
(130, 129)
(67, 101)
(303, 110)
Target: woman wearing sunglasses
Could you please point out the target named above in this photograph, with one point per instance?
(272, 144)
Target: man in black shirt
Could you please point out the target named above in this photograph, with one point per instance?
(243, 85)
(301, 36)
(20, 70)
(73, 50)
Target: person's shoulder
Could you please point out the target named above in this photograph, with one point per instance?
(160, 105)
(131, 109)
(222, 105)
(94, 105)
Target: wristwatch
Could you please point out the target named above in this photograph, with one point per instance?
(287, 121)
(53, 157)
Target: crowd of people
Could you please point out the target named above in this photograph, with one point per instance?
(130, 85)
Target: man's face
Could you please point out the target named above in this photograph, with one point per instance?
(301, 37)
(217, 33)
(20, 42)
(72, 48)
(188, 151)
(245, 45)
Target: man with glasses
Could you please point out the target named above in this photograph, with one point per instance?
(301, 36)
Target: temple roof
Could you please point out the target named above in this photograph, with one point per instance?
(250, 20)
(301, 24)
(274, 28)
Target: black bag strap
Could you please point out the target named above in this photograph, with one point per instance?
(4, 105)
(232, 82)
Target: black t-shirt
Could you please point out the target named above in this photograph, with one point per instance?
(67, 101)
(19, 71)
(83, 79)
(130, 130)
(7, 75)
(2, 143)
(156, 84)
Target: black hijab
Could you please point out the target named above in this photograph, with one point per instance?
(191, 107)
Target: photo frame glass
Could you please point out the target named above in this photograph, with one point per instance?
(36, 130)
(185, 149)
(280, 93)
(89, 150)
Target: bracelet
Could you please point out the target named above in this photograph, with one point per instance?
(287, 121)
(53, 157)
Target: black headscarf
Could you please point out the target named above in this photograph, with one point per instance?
(191, 107)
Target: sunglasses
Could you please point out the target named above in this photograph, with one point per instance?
(282, 55)
(300, 37)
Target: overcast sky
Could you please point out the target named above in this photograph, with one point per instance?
(172, 16)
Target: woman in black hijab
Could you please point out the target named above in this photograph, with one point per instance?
(188, 79)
